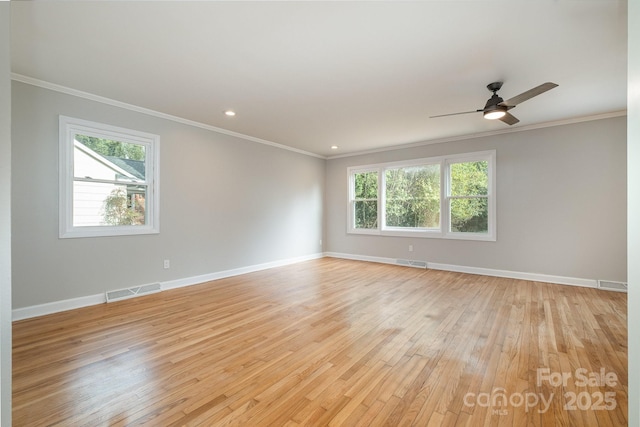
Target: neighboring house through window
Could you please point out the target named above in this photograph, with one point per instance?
(108, 180)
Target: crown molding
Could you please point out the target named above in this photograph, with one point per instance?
(108, 101)
(486, 134)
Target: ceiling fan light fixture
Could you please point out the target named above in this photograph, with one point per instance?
(495, 113)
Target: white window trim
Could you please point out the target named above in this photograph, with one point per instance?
(68, 128)
(351, 201)
(442, 232)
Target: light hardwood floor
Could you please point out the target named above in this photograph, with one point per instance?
(330, 342)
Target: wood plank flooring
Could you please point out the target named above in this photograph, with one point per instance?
(331, 342)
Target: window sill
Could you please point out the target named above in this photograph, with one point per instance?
(80, 232)
(428, 234)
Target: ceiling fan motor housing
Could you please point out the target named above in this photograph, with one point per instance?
(492, 103)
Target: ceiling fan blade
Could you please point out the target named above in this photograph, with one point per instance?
(512, 102)
(509, 119)
(455, 114)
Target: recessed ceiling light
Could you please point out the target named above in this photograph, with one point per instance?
(334, 147)
(229, 113)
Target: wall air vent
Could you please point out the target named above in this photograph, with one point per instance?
(411, 263)
(121, 294)
(612, 286)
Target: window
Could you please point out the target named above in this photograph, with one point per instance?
(468, 197)
(365, 200)
(108, 180)
(444, 197)
(412, 196)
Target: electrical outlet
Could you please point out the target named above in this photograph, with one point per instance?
(410, 248)
(167, 263)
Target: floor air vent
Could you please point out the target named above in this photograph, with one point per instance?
(411, 263)
(612, 286)
(121, 294)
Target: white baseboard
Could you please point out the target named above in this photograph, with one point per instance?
(188, 281)
(86, 301)
(367, 258)
(70, 304)
(534, 277)
(57, 306)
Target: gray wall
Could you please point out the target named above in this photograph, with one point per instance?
(561, 204)
(5, 218)
(561, 194)
(225, 203)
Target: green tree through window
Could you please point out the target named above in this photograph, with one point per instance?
(121, 208)
(109, 147)
(469, 207)
(366, 200)
(413, 197)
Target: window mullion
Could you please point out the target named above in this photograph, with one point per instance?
(110, 181)
(482, 196)
(445, 191)
(382, 199)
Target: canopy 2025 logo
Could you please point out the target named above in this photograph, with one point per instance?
(584, 400)
(500, 401)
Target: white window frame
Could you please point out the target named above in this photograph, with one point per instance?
(444, 231)
(352, 200)
(68, 128)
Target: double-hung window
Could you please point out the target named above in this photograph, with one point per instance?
(468, 196)
(108, 180)
(412, 197)
(364, 204)
(443, 197)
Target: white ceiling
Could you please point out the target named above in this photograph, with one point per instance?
(308, 75)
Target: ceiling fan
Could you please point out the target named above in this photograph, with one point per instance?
(497, 108)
